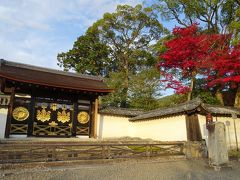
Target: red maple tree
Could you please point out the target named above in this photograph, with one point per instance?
(225, 63)
(183, 58)
(191, 53)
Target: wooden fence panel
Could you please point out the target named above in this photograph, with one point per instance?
(37, 152)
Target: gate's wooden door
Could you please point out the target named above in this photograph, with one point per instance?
(53, 118)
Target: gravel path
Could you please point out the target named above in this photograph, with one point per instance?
(132, 169)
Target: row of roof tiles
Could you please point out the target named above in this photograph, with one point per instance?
(183, 108)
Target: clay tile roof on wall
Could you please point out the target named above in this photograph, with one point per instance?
(49, 77)
(184, 107)
(121, 111)
(180, 108)
(221, 110)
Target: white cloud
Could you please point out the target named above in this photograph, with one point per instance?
(34, 31)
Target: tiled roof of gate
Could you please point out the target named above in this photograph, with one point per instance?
(51, 77)
(121, 111)
(193, 105)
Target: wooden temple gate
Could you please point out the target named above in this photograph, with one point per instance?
(50, 103)
(51, 117)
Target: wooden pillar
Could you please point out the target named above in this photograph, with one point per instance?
(9, 115)
(2, 84)
(32, 116)
(94, 119)
(74, 121)
(193, 128)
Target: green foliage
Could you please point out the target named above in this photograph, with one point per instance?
(128, 32)
(208, 98)
(234, 154)
(115, 81)
(144, 89)
(119, 47)
(88, 56)
(215, 15)
(171, 100)
(205, 94)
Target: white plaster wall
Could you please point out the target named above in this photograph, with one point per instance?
(3, 119)
(113, 126)
(230, 132)
(165, 129)
(202, 124)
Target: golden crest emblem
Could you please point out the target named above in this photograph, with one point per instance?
(63, 116)
(83, 117)
(20, 113)
(43, 115)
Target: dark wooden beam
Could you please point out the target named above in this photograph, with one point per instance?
(94, 118)
(3, 84)
(9, 115)
(193, 128)
(74, 120)
(90, 112)
(32, 116)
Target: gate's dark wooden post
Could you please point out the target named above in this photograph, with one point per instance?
(74, 121)
(193, 128)
(94, 119)
(32, 116)
(9, 115)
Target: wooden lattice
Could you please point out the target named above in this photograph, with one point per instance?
(83, 130)
(50, 130)
(18, 129)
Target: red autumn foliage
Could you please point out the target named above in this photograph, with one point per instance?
(191, 53)
(226, 64)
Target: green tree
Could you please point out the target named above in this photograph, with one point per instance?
(214, 15)
(145, 89)
(172, 100)
(88, 56)
(126, 35)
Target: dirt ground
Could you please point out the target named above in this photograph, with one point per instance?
(151, 169)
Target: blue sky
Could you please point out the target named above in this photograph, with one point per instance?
(35, 31)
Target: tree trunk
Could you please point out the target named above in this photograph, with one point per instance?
(193, 80)
(123, 103)
(219, 96)
(237, 98)
(126, 83)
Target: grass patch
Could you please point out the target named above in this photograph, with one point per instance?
(143, 148)
(234, 154)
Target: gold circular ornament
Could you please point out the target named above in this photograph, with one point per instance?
(83, 117)
(20, 113)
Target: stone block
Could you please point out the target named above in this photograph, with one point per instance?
(217, 146)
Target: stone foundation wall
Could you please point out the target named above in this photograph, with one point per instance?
(195, 149)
